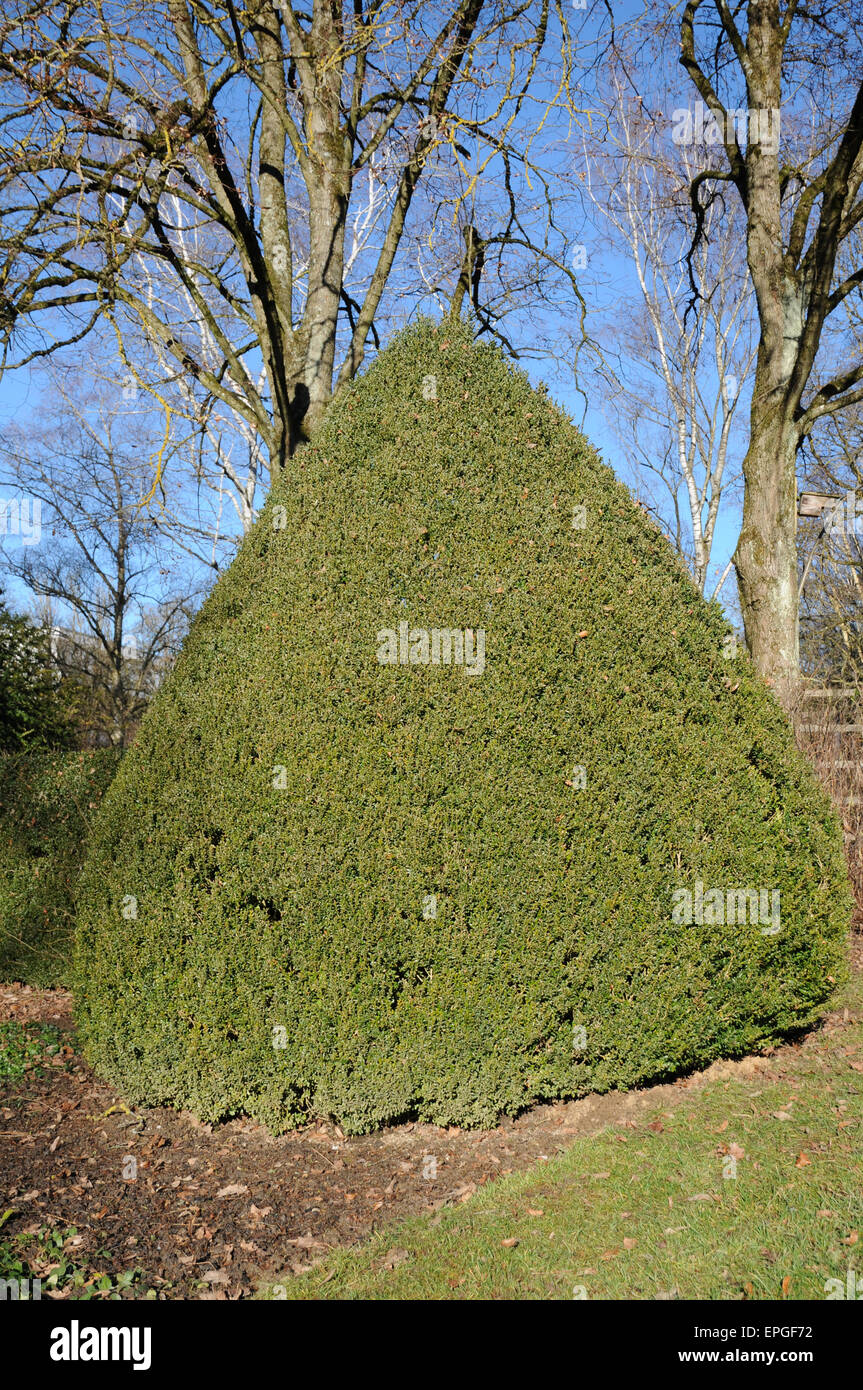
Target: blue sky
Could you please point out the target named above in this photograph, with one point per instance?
(607, 284)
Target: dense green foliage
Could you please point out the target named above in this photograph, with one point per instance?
(33, 711)
(263, 868)
(47, 801)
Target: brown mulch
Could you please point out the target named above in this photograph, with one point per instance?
(215, 1210)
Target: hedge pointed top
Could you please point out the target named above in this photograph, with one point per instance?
(410, 829)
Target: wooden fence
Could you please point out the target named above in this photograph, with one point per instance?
(834, 740)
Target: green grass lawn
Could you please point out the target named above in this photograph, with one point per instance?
(749, 1188)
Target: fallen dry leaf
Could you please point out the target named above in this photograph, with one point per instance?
(236, 1189)
(463, 1191)
(393, 1258)
(307, 1242)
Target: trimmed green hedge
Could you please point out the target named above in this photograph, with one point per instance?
(322, 883)
(47, 801)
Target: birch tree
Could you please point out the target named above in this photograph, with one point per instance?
(673, 373)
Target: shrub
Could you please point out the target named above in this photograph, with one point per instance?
(47, 801)
(35, 710)
(323, 883)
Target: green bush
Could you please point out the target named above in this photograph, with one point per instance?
(47, 801)
(321, 884)
(35, 709)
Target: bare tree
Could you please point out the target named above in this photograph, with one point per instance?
(802, 201)
(672, 378)
(224, 449)
(188, 171)
(105, 584)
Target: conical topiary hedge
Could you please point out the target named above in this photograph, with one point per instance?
(457, 798)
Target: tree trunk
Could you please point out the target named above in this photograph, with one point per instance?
(326, 272)
(328, 188)
(766, 554)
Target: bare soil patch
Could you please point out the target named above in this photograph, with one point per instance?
(214, 1210)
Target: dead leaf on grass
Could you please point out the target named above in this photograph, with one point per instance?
(393, 1258)
(307, 1242)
